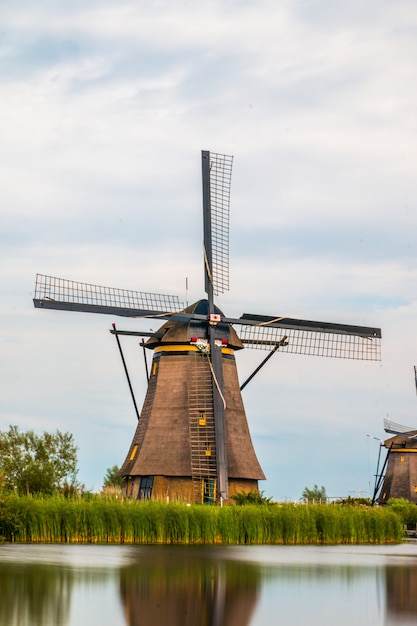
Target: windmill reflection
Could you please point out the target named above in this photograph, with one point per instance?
(401, 596)
(180, 585)
(184, 588)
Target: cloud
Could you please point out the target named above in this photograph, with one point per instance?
(105, 108)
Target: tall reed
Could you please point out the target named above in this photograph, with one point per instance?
(101, 520)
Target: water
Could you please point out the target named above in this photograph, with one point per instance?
(72, 585)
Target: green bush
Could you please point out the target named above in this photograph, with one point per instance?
(251, 497)
(405, 509)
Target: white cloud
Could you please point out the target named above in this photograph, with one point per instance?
(105, 109)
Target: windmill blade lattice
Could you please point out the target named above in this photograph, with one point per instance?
(70, 295)
(312, 343)
(220, 182)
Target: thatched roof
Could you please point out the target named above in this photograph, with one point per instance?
(161, 443)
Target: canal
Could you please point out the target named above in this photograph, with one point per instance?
(113, 585)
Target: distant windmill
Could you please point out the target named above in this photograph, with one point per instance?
(398, 476)
(192, 440)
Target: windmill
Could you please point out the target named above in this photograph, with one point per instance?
(398, 475)
(192, 440)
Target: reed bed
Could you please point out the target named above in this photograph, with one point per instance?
(100, 520)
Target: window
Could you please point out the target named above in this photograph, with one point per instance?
(145, 488)
(208, 486)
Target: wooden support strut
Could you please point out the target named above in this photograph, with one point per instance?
(126, 372)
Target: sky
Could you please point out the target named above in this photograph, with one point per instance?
(105, 108)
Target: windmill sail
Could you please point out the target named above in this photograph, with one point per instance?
(216, 178)
(71, 295)
(311, 338)
(217, 175)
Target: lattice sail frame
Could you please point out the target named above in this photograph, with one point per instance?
(314, 343)
(60, 290)
(220, 183)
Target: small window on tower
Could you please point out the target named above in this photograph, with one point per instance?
(154, 368)
(135, 449)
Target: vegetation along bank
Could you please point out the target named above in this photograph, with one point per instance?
(99, 519)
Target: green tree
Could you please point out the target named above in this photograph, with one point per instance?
(33, 463)
(112, 478)
(314, 496)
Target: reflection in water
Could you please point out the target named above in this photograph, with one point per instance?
(41, 594)
(401, 591)
(34, 594)
(207, 585)
(183, 587)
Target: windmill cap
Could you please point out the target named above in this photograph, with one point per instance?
(173, 332)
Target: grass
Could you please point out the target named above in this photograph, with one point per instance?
(101, 520)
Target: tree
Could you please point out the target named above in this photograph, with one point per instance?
(314, 496)
(33, 463)
(112, 478)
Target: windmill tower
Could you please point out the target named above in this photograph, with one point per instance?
(192, 440)
(400, 465)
